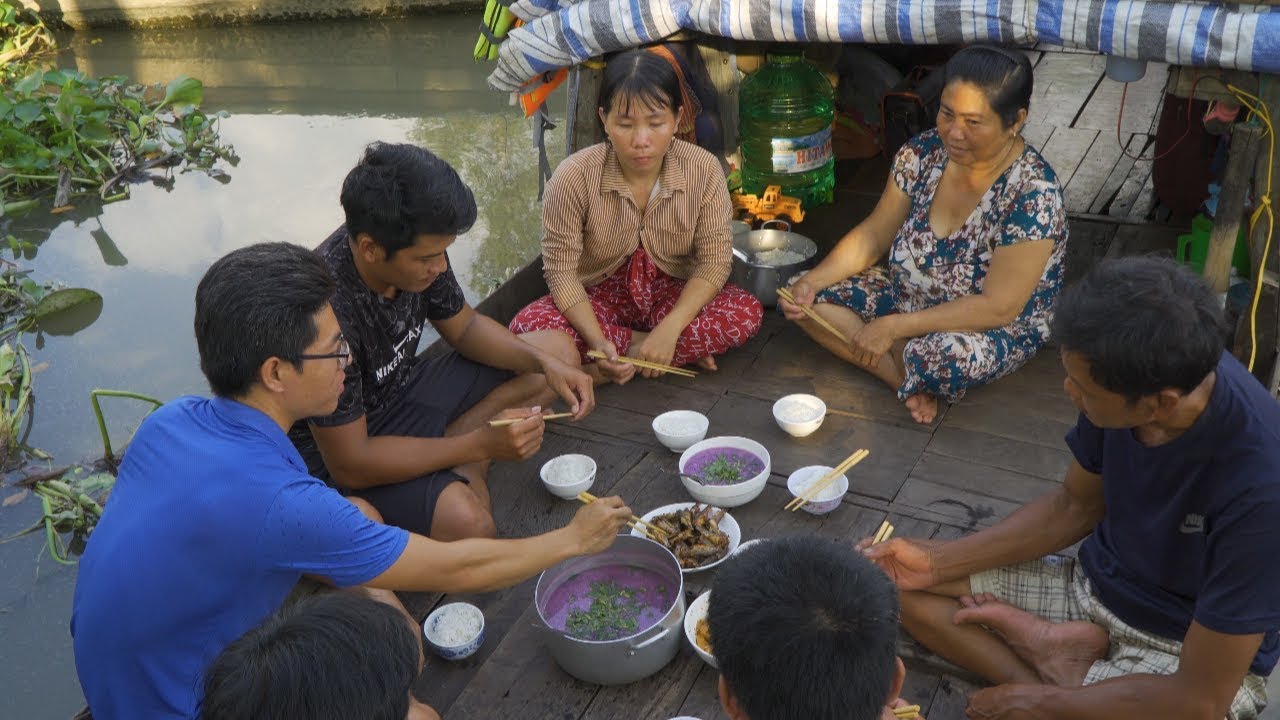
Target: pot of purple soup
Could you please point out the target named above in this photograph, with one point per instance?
(615, 617)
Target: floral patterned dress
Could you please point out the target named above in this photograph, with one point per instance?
(1024, 203)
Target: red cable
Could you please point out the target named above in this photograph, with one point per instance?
(1195, 74)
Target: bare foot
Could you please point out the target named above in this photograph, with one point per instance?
(420, 711)
(923, 407)
(1061, 653)
(707, 363)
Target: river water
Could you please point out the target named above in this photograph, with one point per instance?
(305, 99)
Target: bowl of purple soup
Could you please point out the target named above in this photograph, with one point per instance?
(734, 470)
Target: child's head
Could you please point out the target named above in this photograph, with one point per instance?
(804, 629)
(333, 655)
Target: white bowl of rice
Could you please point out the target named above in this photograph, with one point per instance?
(799, 415)
(567, 475)
(678, 429)
(454, 631)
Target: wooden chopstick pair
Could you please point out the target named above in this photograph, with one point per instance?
(816, 489)
(907, 711)
(883, 534)
(645, 364)
(513, 421)
(635, 522)
(785, 294)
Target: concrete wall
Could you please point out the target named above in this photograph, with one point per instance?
(80, 14)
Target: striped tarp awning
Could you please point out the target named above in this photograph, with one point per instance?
(561, 33)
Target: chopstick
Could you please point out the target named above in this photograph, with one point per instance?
(907, 711)
(513, 421)
(815, 489)
(645, 364)
(785, 294)
(635, 522)
(886, 530)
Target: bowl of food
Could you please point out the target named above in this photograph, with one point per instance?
(828, 498)
(614, 617)
(696, 630)
(799, 415)
(730, 470)
(700, 536)
(454, 631)
(678, 429)
(765, 260)
(567, 475)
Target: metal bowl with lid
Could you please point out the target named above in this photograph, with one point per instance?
(753, 273)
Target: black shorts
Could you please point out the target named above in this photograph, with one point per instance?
(440, 390)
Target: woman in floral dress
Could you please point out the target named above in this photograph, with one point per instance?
(975, 229)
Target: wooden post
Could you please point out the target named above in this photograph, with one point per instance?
(1226, 221)
(582, 128)
(722, 69)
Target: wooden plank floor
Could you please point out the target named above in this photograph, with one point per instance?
(1098, 146)
(1001, 446)
(998, 448)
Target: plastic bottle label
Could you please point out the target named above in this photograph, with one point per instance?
(801, 154)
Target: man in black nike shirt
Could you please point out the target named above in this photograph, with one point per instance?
(411, 436)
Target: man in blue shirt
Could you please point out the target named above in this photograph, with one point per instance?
(1173, 607)
(214, 519)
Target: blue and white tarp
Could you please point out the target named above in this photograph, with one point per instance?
(561, 33)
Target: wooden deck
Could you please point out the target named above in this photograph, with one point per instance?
(998, 448)
(1001, 446)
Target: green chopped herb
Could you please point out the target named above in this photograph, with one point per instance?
(724, 470)
(613, 613)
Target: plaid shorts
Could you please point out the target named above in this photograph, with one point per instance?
(1056, 589)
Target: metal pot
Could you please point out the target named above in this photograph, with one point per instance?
(624, 660)
(763, 280)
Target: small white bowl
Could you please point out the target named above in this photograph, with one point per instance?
(678, 429)
(727, 524)
(567, 475)
(827, 500)
(799, 415)
(727, 496)
(462, 612)
(697, 611)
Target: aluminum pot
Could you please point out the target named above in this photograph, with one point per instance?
(764, 280)
(624, 660)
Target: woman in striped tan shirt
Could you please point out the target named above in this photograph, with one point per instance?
(636, 243)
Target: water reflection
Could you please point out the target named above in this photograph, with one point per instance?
(305, 100)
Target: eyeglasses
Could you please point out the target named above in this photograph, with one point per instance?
(343, 355)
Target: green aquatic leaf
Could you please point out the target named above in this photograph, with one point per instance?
(55, 77)
(63, 300)
(26, 111)
(67, 311)
(30, 83)
(65, 108)
(184, 92)
(95, 130)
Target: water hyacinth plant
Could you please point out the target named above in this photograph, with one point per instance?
(66, 135)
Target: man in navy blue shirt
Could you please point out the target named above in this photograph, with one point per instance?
(1172, 609)
(214, 519)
